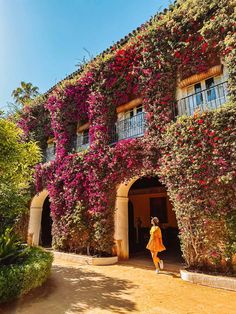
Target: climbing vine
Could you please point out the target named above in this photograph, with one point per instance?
(198, 167)
(187, 39)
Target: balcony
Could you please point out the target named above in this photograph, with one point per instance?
(50, 153)
(210, 98)
(128, 128)
(82, 141)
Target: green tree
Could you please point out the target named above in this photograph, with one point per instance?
(22, 96)
(17, 159)
(25, 93)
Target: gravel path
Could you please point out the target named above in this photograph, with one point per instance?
(120, 289)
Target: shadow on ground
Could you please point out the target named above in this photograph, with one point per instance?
(72, 290)
(172, 262)
(167, 272)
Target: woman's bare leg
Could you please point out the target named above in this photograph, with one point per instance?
(155, 259)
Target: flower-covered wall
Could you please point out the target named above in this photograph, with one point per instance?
(193, 156)
(198, 167)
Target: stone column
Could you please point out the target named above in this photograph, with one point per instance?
(34, 225)
(121, 227)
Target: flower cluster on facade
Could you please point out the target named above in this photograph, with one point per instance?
(193, 156)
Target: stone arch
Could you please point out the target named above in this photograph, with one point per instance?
(121, 235)
(121, 224)
(36, 208)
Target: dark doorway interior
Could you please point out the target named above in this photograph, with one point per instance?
(158, 208)
(148, 198)
(46, 225)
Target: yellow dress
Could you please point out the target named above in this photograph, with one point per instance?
(155, 242)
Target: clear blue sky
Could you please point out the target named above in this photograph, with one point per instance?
(41, 41)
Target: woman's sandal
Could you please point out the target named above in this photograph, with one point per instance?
(161, 264)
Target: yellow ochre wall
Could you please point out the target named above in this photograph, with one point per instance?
(141, 204)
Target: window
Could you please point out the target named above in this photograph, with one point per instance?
(207, 94)
(133, 112)
(200, 95)
(211, 93)
(198, 89)
(133, 125)
(139, 109)
(85, 137)
(51, 151)
(130, 123)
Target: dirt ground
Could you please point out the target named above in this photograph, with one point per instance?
(120, 289)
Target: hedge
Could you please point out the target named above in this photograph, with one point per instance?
(18, 279)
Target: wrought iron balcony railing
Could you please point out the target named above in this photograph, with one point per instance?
(82, 142)
(210, 98)
(128, 128)
(135, 126)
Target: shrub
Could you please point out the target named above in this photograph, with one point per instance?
(19, 279)
(11, 249)
(17, 160)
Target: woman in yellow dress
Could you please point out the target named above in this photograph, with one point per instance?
(155, 244)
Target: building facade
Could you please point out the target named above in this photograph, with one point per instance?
(105, 131)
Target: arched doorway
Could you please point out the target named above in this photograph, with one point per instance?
(148, 198)
(36, 210)
(46, 225)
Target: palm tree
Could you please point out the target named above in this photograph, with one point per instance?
(23, 94)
